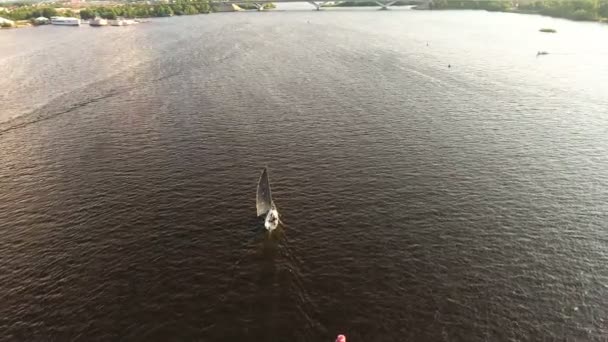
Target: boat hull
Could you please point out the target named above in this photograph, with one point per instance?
(272, 220)
(65, 21)
(98, 22)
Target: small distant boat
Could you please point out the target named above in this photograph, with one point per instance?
(548, 30)
(67, 21)
(541, 53)
(264, 203)
(98, 22)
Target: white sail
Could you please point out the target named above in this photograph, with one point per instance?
(264, 196)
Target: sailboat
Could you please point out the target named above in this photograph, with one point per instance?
(264, 203)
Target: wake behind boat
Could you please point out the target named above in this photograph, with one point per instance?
(264, 203)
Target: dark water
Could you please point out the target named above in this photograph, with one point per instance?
(420, 202)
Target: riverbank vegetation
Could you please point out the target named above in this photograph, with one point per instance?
(29, 12)
(591, 10)
(251, 6)
(367, 3)
(501, 6)
(128, 10)
(179, 7)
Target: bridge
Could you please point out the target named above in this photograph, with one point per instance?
(259, 4)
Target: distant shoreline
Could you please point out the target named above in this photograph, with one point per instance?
(585, 11)
(24, 15)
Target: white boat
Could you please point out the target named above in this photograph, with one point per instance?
(41, 21)
(98, 22)
(69, 21)
(116, 22)
(122, 22)
(6, 22)
(265, 204)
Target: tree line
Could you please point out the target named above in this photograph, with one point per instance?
(569, 9)
(179, 7)
(29, 12)
(468, 4)
(369, 3)
(131, 10)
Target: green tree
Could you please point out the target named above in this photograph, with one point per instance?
(87, 14)
(142, 11)
(202, 7)
(164, 11)
(603, 9)
(581, 14)
(108, 13)
(438, 4)
(128, 11)
(49, 12)
(190, 10)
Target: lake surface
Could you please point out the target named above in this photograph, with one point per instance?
(420, 202)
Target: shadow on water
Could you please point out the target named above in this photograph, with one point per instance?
(261, 251)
